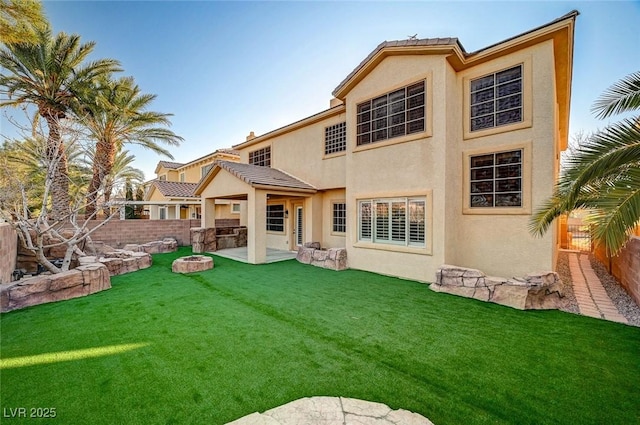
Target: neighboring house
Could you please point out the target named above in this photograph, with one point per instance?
(429, 155)
(172, 192)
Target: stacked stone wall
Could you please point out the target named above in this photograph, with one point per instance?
(332, 258)
(536, 291)
(216, 238)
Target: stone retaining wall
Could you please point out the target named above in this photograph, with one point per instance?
(332, 258)
(8, 252)
(216, 238)
(535, 291)
(79, 282)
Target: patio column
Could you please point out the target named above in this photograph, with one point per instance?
(256, 226)
(208, 218)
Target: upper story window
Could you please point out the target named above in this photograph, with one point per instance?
(204, 170)
(335, 138)
(394, 114)
(496, 179)
(182, 177)
(162, 177)
(261, 157)
(496, 99)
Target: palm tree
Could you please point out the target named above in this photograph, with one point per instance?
(121, 171)
(117, 116)
(604, 173)
(51, 74)
(19, 20)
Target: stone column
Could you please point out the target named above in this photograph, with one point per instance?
(256, 226)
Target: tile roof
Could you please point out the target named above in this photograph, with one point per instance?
(176, 189)
(228, 151)
(263, 176)
(170, 165)
(448, 41)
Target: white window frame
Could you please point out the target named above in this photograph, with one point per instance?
(235, 210)
(181, 178)
(205, 169)
(339, 221)
(375, 236)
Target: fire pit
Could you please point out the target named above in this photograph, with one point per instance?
(192, 263)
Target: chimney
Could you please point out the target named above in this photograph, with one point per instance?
(335, 102)
(251, 136)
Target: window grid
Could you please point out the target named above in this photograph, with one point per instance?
(496, 179)
(496, 99)
(335, 138)
(182, 177)
(339, 217)
(261, 157)
(275, 218)
(204, 170)
(394, 114)
(399, 221)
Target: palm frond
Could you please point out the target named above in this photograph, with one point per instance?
(623, 96)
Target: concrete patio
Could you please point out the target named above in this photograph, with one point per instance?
(240, 254)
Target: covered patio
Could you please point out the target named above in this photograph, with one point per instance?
(276, 208)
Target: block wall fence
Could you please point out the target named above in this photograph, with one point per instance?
(8, 251)
(118, 233)
(625, 267)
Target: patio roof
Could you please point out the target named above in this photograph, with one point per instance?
(257, 176)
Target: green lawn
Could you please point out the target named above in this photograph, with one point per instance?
(211, 347)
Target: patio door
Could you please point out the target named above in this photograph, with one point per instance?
(298, 225)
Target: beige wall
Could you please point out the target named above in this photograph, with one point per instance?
(301, 153)
(329, 238)
(501, 245)
(406, 166)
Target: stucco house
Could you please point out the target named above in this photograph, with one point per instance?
(172, 195)
(428, 155)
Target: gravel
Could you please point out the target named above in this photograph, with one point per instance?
(620, 298)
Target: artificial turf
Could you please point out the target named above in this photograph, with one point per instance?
(210, 347)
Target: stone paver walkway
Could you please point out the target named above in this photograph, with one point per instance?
(333, 411)
(592, 298)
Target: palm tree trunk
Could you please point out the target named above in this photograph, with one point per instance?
(57, 158)
(102, 166)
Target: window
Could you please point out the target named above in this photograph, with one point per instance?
(397, 221)
(235, 208)
(496, 179)
(335, 138)
(261, 157)
(339, 217)
(204, 170)
(162, 177)
(496, 99)
(182, 177)
(163, 213)
(394, 114)
(275, 218)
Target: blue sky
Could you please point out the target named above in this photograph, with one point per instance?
(224, 69)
